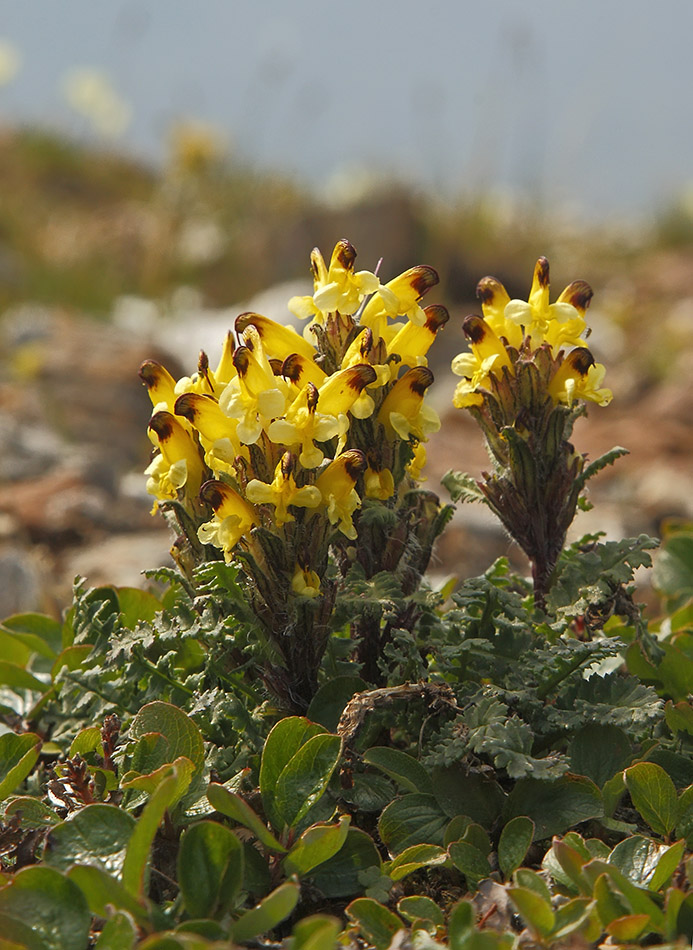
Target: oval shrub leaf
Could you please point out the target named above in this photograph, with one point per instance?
(654, 795)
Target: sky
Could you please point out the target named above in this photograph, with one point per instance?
(578, 104)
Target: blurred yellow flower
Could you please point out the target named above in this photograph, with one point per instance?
(283, 491)
(90, 93)
(10, 62)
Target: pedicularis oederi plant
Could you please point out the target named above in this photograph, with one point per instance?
(297, 742)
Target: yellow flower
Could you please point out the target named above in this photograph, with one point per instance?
(413, 340)
(218, 433)
(225, 370)
(560, 324)
(304, 426)
(488, 355)
(160, 384)
(579, 377)
(178, 464)
(378, 484)
(298, 371)
(404, 412)
(336, 485)
(256, 395)
(416, 466)
(283, 491)
(399, 298)
(305, 583)
(233, 517)
(360, 352)
(337, 288)
(278, 340)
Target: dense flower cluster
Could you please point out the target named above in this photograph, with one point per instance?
(526, 377)
(510, 327)
(269, 456)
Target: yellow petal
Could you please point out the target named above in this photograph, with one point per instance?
(340, 390)
(279, 340)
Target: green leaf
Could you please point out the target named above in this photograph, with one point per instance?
(53, 904)
(413, 819)
(328, 703)
(87, 740)
(210, 868)
(102, 891)
(412, 858)
(673, 568)
(461, 792)
(71, 658)
(472, 862)
(32, 812)
(638, 899)
(554, 806)
(118, 933)
(137, 854)
(316, 845)
(403, 768)
(628, 929)
(669, 860)
(679, 717)
(599, 751)
(654, 796)
(16, 677)
(515, 839)
(304, 779)
(417, 907)
(18, 755)
(611, 904)
(377, 924)
(97, 834)
(318, 932)
(184, 737)
(536, 911)
(462, 487)
(283, 742)
(137, 606)
(339, 876)
(40, 633)
(267, 914)
(461, 923)
(184, 770)
(17, 935)
(233, 806)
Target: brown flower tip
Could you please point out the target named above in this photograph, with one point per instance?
(287, 463)
(312, 397)
(579, 294)
(245, 320)
(361, 375)
(203, 363)
(487, 288)
(162, 423)
(365, 339)
(276, 366)
(151, 373)
(474, 328)
(187, 405)
(580, 359)
(212, 493)
(355, 463)
(292, 367)
(419, 379)
(241, 359)
(436, 317)
(423, 278)
(345, 253)
(542, 272)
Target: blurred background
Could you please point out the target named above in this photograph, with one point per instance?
(164, 167)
